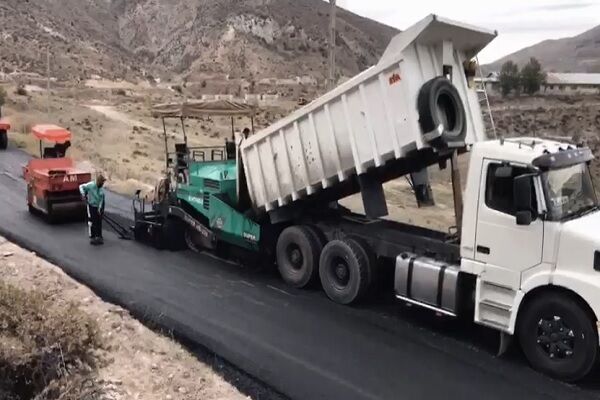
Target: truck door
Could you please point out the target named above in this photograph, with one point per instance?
(499, 241)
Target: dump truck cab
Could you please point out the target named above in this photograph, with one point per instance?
(530, 236)
(531, 219)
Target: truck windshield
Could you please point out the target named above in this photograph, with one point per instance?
(569, 192)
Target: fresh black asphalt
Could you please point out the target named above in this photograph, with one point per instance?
(298, 342)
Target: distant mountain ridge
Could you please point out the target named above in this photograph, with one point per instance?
(580, 53)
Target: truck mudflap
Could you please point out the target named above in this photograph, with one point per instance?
(205, 235)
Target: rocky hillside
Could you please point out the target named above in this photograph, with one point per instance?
(575, 54)
(243, 38)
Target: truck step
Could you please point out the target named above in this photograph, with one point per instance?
(497, 305)
(494, 324)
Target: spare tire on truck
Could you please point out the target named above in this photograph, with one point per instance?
(439, 103)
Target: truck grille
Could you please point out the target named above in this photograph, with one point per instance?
(211, 184)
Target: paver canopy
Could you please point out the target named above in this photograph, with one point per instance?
(196, 109)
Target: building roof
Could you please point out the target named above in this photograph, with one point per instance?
(492, 77)
(554, 78)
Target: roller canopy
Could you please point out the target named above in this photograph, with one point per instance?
(51, 133)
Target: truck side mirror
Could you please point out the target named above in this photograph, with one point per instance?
(524, 218)
(522, 193)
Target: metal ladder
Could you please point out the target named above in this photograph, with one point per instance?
(485, 101)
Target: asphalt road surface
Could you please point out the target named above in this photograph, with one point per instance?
(298, 342)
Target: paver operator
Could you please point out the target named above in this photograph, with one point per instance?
(93, 194)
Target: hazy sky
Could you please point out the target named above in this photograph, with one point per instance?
(519, 23)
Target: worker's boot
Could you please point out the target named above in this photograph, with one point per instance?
(94, 241)
(100, 240)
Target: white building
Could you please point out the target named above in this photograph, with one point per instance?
(571, 83)
(491, 82)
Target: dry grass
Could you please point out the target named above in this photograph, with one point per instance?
(46, 351)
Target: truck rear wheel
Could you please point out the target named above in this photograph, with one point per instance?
(558, 337)
(297, 254)
(344, 271)
(3, 140)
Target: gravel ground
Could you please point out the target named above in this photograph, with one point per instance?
(137, 363)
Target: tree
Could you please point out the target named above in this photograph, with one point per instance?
(532, 76)
(509, 78)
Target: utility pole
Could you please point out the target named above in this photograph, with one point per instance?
(332, 36)
(48, 81)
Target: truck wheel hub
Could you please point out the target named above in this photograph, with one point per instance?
(555, 338)
(295, 257)
(342, 274)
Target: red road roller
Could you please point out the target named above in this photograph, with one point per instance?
(4, 128)
(53, 179)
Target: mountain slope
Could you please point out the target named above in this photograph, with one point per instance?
(245, 38)
(575, 54)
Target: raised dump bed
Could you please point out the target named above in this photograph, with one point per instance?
(388, 111)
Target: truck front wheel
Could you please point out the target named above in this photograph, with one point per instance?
(558, 336)
(344, 271)
(297, 254)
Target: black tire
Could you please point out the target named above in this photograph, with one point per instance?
(173, 234)
(51, 216)
(318, 236)
(156, 238)
(556, 323)
(188, 237)
(3, 140)
(297, 254)
(140, 232)
(439, 103)
(344, 271)
(371, 258)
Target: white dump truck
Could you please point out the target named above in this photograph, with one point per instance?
(524, 258)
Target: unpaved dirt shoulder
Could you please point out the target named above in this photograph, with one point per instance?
(137, 362)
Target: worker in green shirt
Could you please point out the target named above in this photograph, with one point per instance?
(93, 194)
